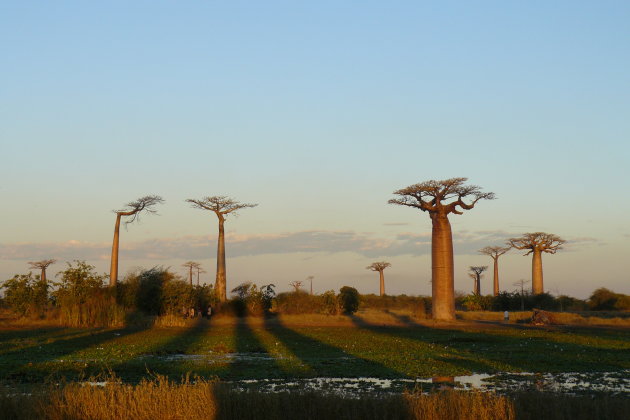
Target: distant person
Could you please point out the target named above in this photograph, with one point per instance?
(191, 312)
(209, 311)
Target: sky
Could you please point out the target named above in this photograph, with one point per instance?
(317, 112)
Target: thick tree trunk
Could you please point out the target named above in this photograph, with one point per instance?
(190, 275)
(220, 281)
(113, 269)
(382, 283)
(43, 275)
(496, 276)
(443, 285)
(477, 284)
(537, 273)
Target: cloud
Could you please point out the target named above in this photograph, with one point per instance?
(239, 245)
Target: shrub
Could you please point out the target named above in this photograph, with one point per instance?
(26, 294)
(349, 298)
(83, 301)
(603, 299)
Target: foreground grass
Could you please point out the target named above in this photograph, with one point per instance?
(164, 399)
(362, 345)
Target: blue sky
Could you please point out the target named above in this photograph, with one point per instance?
(316, 112)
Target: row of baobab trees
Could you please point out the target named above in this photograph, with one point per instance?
(438, 198)
(535, 243)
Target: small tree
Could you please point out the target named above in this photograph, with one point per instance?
(132, 210)
(380, 267)
(495, 252)
(297, 284)
(41, 265)
(199, 271)
(221, 206)
(26, 294)
(440, 199)
(521, 283)
(190, 265)
(536, 244)
(476, 272)
(349, 297)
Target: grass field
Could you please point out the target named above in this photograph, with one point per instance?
(382, 345)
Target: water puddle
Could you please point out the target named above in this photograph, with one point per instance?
(568, 382)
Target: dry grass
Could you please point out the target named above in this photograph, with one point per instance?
(163, 399)
(561, 318)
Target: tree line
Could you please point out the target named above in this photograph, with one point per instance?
(438, 198)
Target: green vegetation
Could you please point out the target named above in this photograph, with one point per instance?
(278, 348)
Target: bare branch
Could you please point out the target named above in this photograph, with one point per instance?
(296, 284)
(436, 196)
(192, 265)
(134, 208)
(494, 251)
(537, 241)
(477, 270)
(221, 205)
(378, 266)
(41, 265)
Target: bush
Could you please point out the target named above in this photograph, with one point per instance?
(83, 301)
(250, 300)
(603, 299)
(349, 298)
(26, 294)
(477, 302)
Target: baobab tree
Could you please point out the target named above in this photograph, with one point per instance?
(537, 243)
(296, 284)
(191, 265)
(380, 267)
(221, 206)
(133, 210)
(439, 199)
(522, 283)
(199, 271)
(310, 278)
(495, 252)
(476, 272)
(41, 265)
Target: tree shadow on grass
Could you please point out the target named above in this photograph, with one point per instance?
(172, 357)
(327, 360)
(475, 351)
(49, 359)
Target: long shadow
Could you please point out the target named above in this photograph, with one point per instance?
(33, 364)
(34, 338)
(172, 357)
(22, 364)
(327, 360)
(483, 352)
(251, 360)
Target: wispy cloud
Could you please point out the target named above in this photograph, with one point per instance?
(238, 245)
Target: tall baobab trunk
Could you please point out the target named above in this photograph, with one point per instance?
(477, 285)
(496, 276)
(190, 275)
(113, 269)
(43, 275)
(220, 285)
(537, 273)
(382, 282)
(443, 276)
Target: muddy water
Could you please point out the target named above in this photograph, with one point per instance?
(568, 382)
